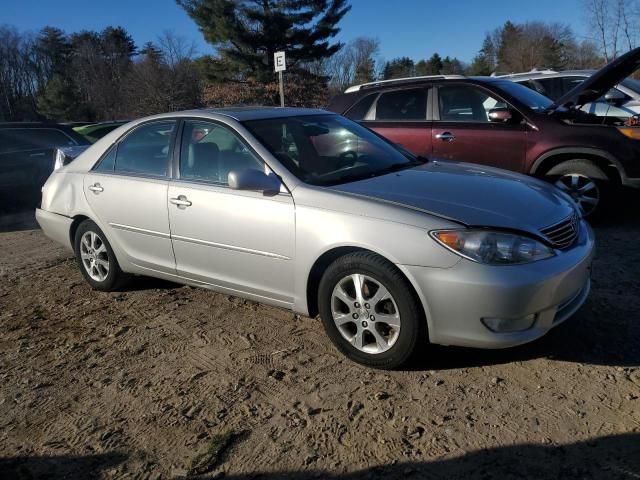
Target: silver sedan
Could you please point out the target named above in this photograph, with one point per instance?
(309, 211)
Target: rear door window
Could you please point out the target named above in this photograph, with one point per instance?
(108, 161)
(146, 150)
(408, 104)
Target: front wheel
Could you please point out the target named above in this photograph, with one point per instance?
(585, 182)
(370, 312)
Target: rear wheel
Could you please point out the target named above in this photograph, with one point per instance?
(585, 182)
(369, 311)
(96, 259)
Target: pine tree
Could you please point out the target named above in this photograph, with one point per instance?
(484, 63)
(246, 33)
(401, 67)
(56, 101)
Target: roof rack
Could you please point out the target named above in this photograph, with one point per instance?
(532, 71)
(362, 86)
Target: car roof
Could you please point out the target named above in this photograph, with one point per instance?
(545, 74)
(33, 125)
(242, 114)
(404, 80)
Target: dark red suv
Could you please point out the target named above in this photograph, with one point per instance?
(497, 122)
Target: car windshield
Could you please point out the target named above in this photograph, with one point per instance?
(329, 149)
(532, 99)
(632, 84)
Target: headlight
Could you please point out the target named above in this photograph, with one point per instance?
(492, 247)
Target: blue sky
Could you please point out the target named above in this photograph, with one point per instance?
(415, 28)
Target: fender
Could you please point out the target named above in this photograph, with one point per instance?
(579, 150)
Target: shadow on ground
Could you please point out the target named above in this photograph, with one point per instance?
(613, 457)
(55, 467)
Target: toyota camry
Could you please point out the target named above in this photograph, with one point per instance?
(309, 211)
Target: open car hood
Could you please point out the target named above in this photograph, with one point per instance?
(598, 84)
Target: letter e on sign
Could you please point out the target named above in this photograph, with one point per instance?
(279, 62)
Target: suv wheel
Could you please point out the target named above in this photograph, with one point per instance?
(585, 182)
(369, 311)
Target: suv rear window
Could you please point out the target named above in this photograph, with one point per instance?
(409, 104)
(21, 139)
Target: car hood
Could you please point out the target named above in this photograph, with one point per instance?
(601, 81)
(469, 194)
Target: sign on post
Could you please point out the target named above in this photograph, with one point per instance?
(280, 65)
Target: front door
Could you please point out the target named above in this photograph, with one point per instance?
(127, 191)
(241, 241)
(462, 130)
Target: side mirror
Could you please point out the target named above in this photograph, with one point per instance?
(614, 96)
(253, 179)
(500, 115)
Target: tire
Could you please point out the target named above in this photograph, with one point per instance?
(379, 344)
(92, 248)
(573, 175)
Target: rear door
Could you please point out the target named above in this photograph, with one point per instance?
(127, 191)
(462, 130)
(400, 116)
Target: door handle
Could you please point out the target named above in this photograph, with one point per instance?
(446, 136)
(181, 201)
(96, 188)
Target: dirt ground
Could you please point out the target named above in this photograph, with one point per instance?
(138, 384)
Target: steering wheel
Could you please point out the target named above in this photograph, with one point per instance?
(347, 159)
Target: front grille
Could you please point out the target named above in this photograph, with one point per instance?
(563, 233)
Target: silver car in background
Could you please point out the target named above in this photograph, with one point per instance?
(622, 101)
(309, 211)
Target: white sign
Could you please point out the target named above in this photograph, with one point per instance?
(279, 62)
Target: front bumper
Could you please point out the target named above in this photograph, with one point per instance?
(457, 298)
(56, 227)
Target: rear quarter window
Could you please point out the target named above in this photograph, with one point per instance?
(361, 108)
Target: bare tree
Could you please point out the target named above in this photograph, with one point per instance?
(614, 23)
(176, 48)
(19, 81)
(164, 78)
(356, 62)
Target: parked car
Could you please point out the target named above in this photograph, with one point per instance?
(27, 154)
(495, 122)
(95, 131)
(623, 100)
(309, 211)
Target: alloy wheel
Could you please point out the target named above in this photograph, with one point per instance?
(582, 189)
(95, 259)
(365, 313)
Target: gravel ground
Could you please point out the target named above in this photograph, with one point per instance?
(161, 380)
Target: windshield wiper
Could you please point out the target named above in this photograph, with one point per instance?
(394, 167)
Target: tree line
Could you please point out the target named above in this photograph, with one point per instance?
(92, 76)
